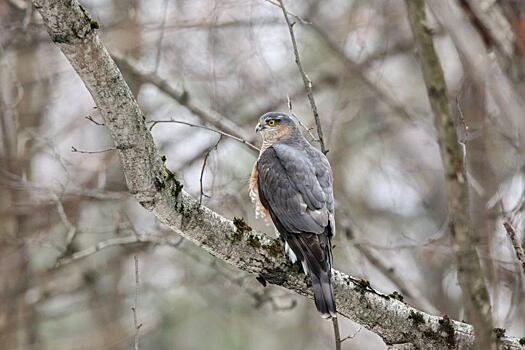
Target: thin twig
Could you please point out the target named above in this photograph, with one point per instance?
(518, 249)
(337, 334)
(306, 80)
(207, 24)
(379, 263)
(184, 98)
(307, 129)
(76, 150)
(204, 167)
(71, 229)
(134, 308)
(91, 119)
(299, 18)
(240, 139)
(464, 124)
(161, 37)
(352, 336)
(24, 185)
(463, 139)
(115, 242)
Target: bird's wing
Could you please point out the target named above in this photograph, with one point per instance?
(294, 188)
(323, 172)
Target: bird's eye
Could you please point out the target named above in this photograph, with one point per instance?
(271, 122)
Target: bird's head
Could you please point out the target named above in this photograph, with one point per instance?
(276, 126)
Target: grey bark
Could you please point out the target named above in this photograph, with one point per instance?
(157, 189)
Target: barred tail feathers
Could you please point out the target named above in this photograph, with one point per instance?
(314, 252)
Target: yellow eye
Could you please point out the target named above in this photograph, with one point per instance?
(271, 122)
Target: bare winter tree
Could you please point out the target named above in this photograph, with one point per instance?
(418, 102)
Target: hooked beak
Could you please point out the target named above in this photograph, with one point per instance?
(259, 128)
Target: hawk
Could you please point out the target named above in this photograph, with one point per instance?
(291, 183)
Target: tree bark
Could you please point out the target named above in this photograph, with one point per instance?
(465, 241)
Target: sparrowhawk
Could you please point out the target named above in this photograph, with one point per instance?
(291, 183)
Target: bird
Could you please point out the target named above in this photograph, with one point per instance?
(292, 184)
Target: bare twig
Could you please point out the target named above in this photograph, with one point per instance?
(161, 37)
(208, 24)
(76, 150)
(470, 273)
(135, 303)
(307, 129)
(337, 334)
(204, 167)
(299, 18)
(24, 185)
(236, 138)
(91, 119)
(183, 164)
(352, 336)
(513, 237)
(71, 229)
(306, 80)
(182, 96)
(115, 242)
(465, 138)
(410, 292)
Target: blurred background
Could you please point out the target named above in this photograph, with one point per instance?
(223, 63)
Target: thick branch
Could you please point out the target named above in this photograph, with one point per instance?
(156, 188)
(470, 274)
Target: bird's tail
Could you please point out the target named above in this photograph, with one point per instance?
(317, 262)
(323, 293)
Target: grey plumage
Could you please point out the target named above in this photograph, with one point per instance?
(294, 184)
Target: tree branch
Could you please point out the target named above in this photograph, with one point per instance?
(412, 293)
(157, 190)
(239, 139)
(513, 237)
(135, 303)
(117, 242)
(470, 273)
(182, 96)
(306, 80)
